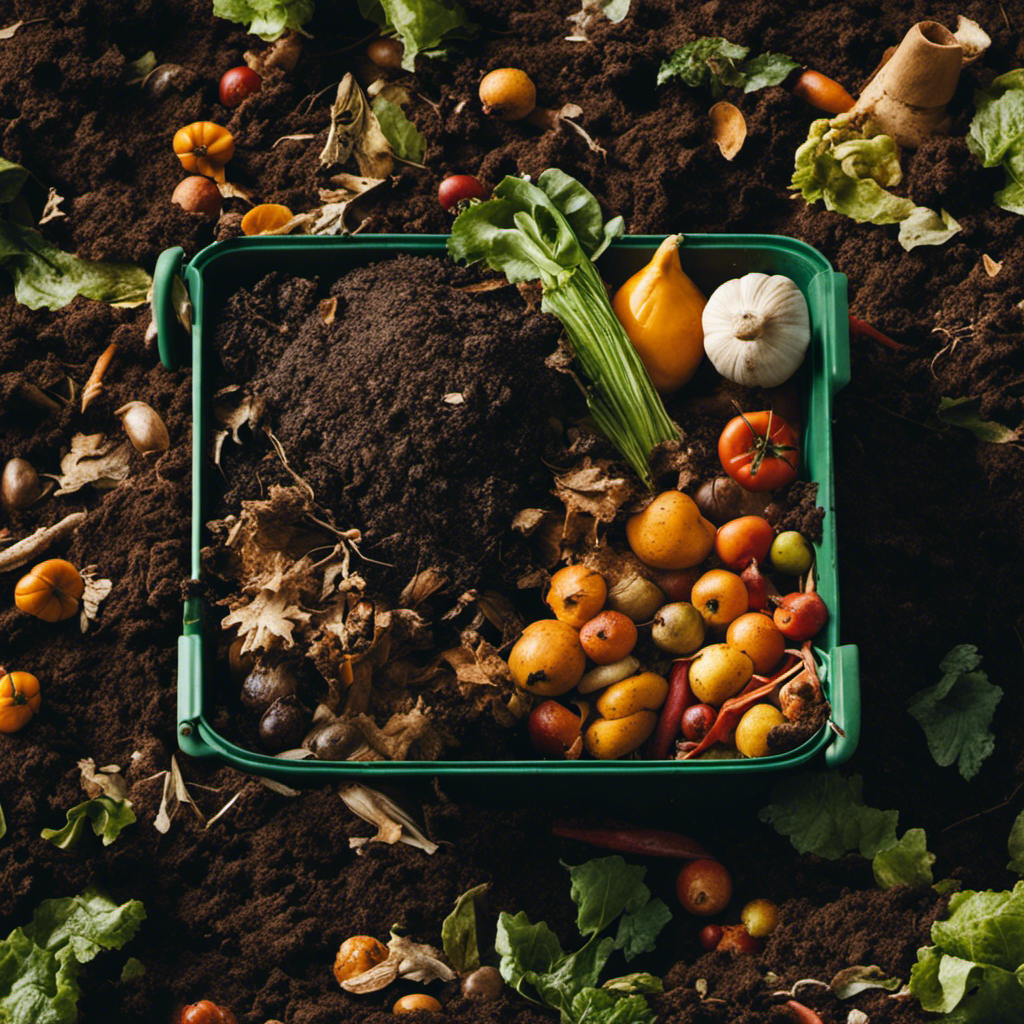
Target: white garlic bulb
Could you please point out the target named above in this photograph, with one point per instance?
(757, 329)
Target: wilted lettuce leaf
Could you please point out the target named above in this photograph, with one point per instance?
(406, 140)
(956, 713)
(599, 1006)
(39, 963)
(132, 969)
(421, 25)
(972, 972)
(107, 816)
(996, 135)
(268, 19)
(458, 931)
(926, 227)
(966, 413)
(12, 178)
(822, 813)
(906, 863)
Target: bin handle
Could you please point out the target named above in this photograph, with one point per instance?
(166, 279)
(844, 691)
(840, 368)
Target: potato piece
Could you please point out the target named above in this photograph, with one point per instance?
(644, 692)
(608, 739)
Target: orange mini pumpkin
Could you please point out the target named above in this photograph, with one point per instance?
(19, 700)
(265, 217)
(51, 591)
(204, 147)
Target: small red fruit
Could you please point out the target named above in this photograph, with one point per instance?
(238, 84)
(736, 939)
(757, 587)
(459, 188)
(801, 616)
(677, 583)
(710, 936)
(704, 887)
(555, 731)
(697, 721)
(206, 1012)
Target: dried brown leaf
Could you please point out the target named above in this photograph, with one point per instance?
(591, 488)
(490, 285)
(394, 824)
(301, 137)
(728, 128)
(355, 131)
(95, 592)
(105, 781)
(991, 266)
(328, 309)
(93, 459)
(478, 666)
(267, 620)
(233, 408)
(406, 959)
(335, 217)
(423, 585)
(403, 734)
(174, 796)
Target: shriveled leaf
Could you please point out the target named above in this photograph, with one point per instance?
(233, 408)
(94, 459)
(906, 863)
(406, 140)
(52, 210)
(458, 931)
(401, 733)
(728, 128)
(355, 131)
(394, 824)
(105, 781)
(107, 817)
(965, 412)
(267, 620)
(926, 227)
(851, 981)
(133, 968)
(300, 137)
(95, 592)
(592, 488)
(594, 11)
(823, 813)
(341, 205)
(413, 961)
(175, 795)
(423, 585)
(956, 713)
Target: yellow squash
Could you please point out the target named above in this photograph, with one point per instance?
(660, 308)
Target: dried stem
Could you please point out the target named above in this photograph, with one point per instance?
(35, 544)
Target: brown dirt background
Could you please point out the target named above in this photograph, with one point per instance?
(250, 911)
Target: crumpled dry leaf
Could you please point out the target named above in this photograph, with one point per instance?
(233, 408)
(268, 619)
(328, 309)
(852, 981)
(230, 191)
(95, 592)
(174, 796)
(105, 781)
(356, 131)
(422, 586)
(93, 459)
(403, 734)
(591, 488)
(410, 960)
(52, 210)
(336, 215)
(728, 128)
(479, 666)
(394, 824)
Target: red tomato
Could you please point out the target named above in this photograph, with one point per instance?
(459, 188)
(742, 541)
(759, 450)
(238, 84)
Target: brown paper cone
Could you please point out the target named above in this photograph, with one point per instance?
(908, 95)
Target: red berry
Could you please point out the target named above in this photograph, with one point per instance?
(459, 188)
(710, 936)
(238, 84)
(697, 721)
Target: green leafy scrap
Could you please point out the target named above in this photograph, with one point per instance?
(422, 25)
(132, 969)
(926, 227)
(535, 965)
(823, 813)
(714, 61)
(906, 863)
(407, 141)
(972, 971)
(268, 19)
(39, 963)
(956, 713)
(1015, 846)
(108, 817)
(966, 413)
(996, 135)
(458, 931)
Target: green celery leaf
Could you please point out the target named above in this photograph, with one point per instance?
(47, 278)
(956, 713)
(604, 888)
(458, 931)
(767, 69)
(926, 227)
(1015, 845)
(421, 25)
(822, 813)
(107, 816)
(132, 969)
(39, 963)
(965, 412)
(640, 983)
(12, 178)
(524, 948)
(268, 19)
(598, 1006)
(906, 863)
(638, 931)
(405, 138)
(708, 60)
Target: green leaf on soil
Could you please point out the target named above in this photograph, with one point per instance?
(107, 816)
(948, 886)
(956, 713)
(972, 972)
(604, 888)
(12, 178)
(965, 412)
(421, 25)
(851, 981)
(132, 969)
(767, 69)
(926, 227)
(458, 931)
(525, 949)
(599, 1006)
(39, 963)
(823, 813)
(640, 983)
(996, 135)
(268, 19)
(141, 67)
(714, 61)
(1015, 846)
(638, 931)
(906, 863)
(406, 139)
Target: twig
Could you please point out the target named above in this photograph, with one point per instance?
(858, 326)
(998, 807)
(25, 550)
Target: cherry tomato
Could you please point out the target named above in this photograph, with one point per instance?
(238, 84)
(459, 188)
(710, 936)
(742, 541)
(759, 450)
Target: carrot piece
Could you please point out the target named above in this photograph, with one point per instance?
(859, 326)
(802, 1014)
(679, 698)
(644, 842)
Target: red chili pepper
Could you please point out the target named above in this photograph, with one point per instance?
(858, 326)
(803, 1014)
(644, 842)
(679, 698)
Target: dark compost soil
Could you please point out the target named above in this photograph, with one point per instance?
(250, 911)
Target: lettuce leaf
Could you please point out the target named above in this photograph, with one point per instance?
(822, 813)
(405, 138)
(1015, 845)
(926, 227)
(458, 931)
(421, 25)
(714, 61)
(107, 816)
(39, 963)
(996, 135)
(906, 863)
(956, 713)
(268, 19)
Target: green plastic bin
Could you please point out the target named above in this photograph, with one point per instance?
(215, 273)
